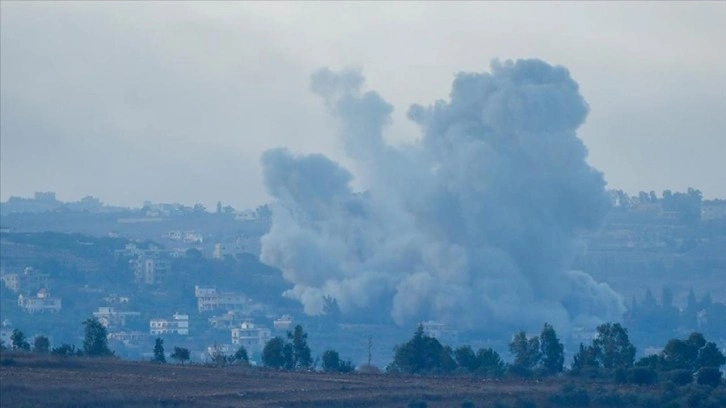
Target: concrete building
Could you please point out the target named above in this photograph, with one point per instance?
(129, 338)
(112, 318)
(282, 323)
(178, 324)
(252, 337)
(209, 299)
(228, 320)
(440, 332)
(41, 302)
(150, 269)
(30, 280)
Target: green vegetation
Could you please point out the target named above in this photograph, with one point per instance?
(41, 345)
(291, 355)
(684, 374)
(95, 343)
(333, 364)
(159, 356)
(180, 354)
(241, 356)
(18, 341)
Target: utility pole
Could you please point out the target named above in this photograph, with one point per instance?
(370, 345)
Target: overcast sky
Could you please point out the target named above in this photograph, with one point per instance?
(175, 101)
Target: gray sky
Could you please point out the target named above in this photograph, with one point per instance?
(175, 101)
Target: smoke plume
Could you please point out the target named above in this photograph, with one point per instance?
(474, 224)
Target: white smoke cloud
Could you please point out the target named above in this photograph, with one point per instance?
(474, 224)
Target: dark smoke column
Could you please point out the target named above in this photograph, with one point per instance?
(475, 224)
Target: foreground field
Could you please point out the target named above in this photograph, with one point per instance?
(29, 381)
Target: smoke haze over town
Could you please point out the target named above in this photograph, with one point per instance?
(176, 102)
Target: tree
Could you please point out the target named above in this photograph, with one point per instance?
(180, 354)
(710, 376)
(218, 356)
(41, 344)
(552, 350)
(526, 353)
(18, 341)
(333, 364)
(422, 353)
(302, 356)
(159, 356)
(241, 355)
(710, 356)
(288, 355)
(466, 358)
(65, 350)
(95, 342)
(586, 357)
(613, 347)
(489, 362)
(682, 354)
(273, 353)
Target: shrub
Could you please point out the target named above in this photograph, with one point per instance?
(570, 397)
(680, 377)
(524, 403)
(610, 400)
(642, 376)
(417, 404)
(65, 350)
(467, 404)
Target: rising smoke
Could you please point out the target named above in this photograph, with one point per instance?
(474, 224)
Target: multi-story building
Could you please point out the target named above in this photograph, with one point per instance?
(440, 331)
(282, 323)
(41, 302)
(151, 269)
(227, 320)
(178, 324)
(28, 281)
(128, 338)
(112, 318)
(209, 299)
(252, 337)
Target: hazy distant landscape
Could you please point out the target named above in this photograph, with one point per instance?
(509, 205)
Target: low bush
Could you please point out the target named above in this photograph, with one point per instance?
(680, 377)
(642, 376)
(710, 376)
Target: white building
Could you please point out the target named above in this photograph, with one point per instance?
(178, 324)
(110, 317)
(128, 338)
(151, 270)
(228, 320)
(252, 337)
(209, 299)
(282, 323)
(27, 281)
(440, 332)
(41, 302)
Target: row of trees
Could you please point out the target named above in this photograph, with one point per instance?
(294, 353)
(95, 342)
(609, 354)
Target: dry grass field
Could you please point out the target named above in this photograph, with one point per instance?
(28, 380)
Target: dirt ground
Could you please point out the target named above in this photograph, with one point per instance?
(30, 381)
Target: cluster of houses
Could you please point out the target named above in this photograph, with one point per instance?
(229, 312)
(33, 291)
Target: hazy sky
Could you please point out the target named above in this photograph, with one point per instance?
(175, 101)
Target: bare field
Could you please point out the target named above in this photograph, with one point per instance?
(29, 381)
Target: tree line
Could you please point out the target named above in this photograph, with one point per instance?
(609, 355)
